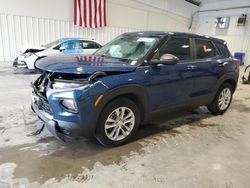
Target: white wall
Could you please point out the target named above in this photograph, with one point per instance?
(237, 37)
(40, 21)
(176, 7)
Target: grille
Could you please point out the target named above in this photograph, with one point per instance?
(43, 105)
(39, 90)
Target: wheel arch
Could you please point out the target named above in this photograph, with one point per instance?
(133, 92)
(232, 82)
(231, 78)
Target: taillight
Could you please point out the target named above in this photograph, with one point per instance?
(237, 62)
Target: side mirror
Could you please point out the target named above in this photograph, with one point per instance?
(62, 48)
(166, 59)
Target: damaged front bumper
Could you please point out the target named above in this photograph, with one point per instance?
(50, 124)
(61, 122)
(21, 67)
(44, 113)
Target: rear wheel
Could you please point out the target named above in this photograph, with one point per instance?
(118, 122)
(222, 100)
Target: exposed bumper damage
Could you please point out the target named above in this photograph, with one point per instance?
(41, 107)
(20, 67)
(47, 104)
(50, 124)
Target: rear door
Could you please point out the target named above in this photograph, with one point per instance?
(207, 71)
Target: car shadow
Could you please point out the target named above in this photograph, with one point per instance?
(166, 124)
(158, 125)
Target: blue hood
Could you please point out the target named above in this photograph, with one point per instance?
(82, 64)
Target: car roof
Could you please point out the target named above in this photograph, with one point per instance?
(171, 33)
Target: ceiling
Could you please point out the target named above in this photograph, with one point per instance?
(202, 2)
(212, 1)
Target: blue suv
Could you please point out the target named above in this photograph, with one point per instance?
(130, 80)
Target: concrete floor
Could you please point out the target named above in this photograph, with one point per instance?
(194, 149)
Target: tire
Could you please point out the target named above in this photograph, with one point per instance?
(221, 103)
(118, 122)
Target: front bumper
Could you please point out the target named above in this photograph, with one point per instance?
(63, 125)
(59, 129)
(21, 68)
(51, 124)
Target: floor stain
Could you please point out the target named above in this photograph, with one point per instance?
(240, 106)
(200, 124)
(38, 166)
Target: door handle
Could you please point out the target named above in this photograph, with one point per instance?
(222, 64)
(191, 67)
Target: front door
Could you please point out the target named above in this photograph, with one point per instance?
(170, 86)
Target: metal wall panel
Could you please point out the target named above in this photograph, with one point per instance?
(16, 31)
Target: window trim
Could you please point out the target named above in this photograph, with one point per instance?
(151, 53)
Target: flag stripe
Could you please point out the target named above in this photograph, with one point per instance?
(75, 12)
(90, 13)
(80, 12)
(104, 17)
(84, 13)
(95, 13)
(100, 13)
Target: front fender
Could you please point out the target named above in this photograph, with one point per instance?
(133, 90)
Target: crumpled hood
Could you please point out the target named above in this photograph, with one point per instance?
(82, 64)
(31, 48)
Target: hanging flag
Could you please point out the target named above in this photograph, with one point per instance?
(90, 13)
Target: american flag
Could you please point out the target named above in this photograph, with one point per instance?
(90, 13)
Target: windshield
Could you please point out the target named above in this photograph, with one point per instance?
(128, 47)
(51, 44)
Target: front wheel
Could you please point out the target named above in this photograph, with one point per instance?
(118, 122)
(222, 100)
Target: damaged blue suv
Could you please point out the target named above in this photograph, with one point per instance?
(130, 80)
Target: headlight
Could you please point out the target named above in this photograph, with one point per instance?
(64, 85)
(69, 104)
(28, 54)
(21, 63)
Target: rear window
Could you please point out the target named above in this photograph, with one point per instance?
(223, 49)
(204, 49)
(90, 45)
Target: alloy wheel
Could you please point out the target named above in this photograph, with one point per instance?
(224, 99)
(119, 123)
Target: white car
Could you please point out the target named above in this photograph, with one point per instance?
(29, 55)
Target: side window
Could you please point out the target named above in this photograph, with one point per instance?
(179, 47)
(223, 49)
(90, 45)
(204, 49)
(72, 45)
